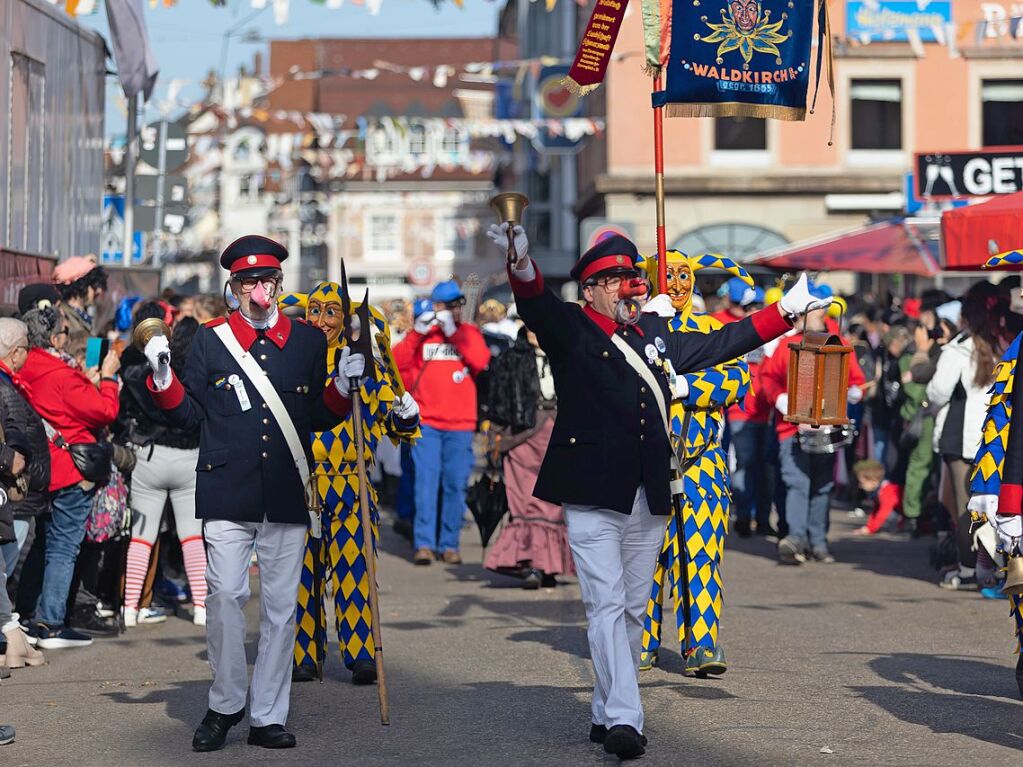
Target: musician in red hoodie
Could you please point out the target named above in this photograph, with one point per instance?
(808, 476)
(439, 360)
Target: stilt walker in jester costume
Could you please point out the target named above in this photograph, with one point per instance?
(996, 488)
(694, 539)
(337, 558)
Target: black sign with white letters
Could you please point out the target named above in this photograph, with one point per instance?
(985, 172)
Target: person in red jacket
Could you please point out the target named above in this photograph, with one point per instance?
(439, 360)
(808, 477)
(75, 405)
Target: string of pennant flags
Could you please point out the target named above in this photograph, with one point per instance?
(952, 35)
(281, 8)
(334, 147)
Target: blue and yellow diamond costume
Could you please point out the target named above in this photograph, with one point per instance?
(989, 467)
(337, 558)
(702, 510)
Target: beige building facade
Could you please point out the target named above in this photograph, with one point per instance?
(744, 186)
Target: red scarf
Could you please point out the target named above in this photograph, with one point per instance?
(19, 384)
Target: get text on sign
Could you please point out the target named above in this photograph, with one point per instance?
(944, 175)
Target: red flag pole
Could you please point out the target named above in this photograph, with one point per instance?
(662, 246)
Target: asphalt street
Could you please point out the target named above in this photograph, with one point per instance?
(862, 662)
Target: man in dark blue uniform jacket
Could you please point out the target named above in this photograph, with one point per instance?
(249, 489)
(609, 458)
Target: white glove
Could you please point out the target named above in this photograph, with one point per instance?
(349, 366)
(681, 387)
(782, 404)
(424, 322)
(446, 320)
(985, 505)
(1010, 529)
(660, 305)
(157, 351)
(498, 233)
(798, 300)
(406, 408)
(855, 395)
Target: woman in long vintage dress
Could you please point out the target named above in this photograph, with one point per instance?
(533, 544)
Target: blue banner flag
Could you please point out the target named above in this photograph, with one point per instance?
(742, 58)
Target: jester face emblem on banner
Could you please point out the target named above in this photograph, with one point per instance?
(746, 27)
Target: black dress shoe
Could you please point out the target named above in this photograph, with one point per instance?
(211, 734)
(271, 736)
(623, 741)
(364, 672)
(598, 733)
(303, 673)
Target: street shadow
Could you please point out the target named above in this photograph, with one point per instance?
(891, 555)
(185, 702)
(966, 676)
(976, 699)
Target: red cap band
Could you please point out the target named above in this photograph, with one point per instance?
(260, 261)
(606, 262)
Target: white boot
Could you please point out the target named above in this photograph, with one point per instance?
(198, 616)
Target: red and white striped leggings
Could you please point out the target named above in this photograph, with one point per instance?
(168, 473)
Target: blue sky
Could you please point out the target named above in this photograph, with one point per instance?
(188, 38)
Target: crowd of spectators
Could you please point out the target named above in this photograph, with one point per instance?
(97, 525)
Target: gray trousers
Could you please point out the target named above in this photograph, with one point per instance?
(614, 556)
(279, 552)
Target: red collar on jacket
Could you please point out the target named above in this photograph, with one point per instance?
(608, 325)
(247, 335)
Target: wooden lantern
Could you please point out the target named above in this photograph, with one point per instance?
(818, 380)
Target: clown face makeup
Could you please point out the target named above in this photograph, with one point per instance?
(680, 284)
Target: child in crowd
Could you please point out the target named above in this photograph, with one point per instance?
(885, 496)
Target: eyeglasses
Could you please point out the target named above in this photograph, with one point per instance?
(610, 284)
(248, 284)
(63, 331)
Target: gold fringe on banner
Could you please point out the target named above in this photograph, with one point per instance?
(734, 109)
(577, 89)
(652, 71)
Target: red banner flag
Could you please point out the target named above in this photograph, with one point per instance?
(590, 65)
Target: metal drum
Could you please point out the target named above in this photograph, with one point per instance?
(827, 440)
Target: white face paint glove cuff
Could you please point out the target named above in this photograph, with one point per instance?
(157, 353)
